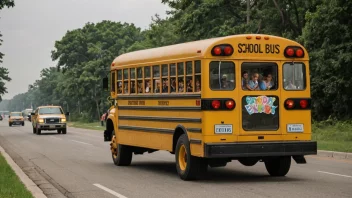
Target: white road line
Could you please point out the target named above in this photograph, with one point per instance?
(335, 174)
(56, 137)
(109, 191)
(81, 142)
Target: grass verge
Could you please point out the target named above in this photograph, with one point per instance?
(93, 125)
(10, 185)
(333, 135)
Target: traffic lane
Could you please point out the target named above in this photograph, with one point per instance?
(154, 175)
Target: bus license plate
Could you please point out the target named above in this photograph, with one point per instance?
(223, 128)
(295, 128)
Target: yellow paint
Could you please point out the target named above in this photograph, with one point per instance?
(201, 50)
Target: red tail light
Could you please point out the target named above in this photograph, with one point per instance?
(290, 104)
(299, 52)
(215, 104)
(290, 52)
(228, 50)
(303, 104)
(229, 104)
(217, 50)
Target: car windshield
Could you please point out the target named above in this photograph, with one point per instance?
(16, 114)
(50, 110)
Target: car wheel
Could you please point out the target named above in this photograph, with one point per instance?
(34, 130)
(59, 131)
(64, 131)
(38, 131)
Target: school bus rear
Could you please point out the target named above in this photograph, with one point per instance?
(271, 122)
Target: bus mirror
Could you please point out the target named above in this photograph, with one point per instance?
(32, 113)
(67, 113)
(105, 83)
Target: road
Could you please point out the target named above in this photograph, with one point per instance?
(79, 164)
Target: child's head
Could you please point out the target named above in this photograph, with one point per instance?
(245, 74)
(255, 76)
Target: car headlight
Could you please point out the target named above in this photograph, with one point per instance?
(63, 119)
(41, 120)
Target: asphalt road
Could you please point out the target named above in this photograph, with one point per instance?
(80, 165)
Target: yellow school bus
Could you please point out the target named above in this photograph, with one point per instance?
(241, 97)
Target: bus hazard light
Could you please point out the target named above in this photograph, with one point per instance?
(215, 104)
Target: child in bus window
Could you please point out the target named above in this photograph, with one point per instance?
(267, 82)
(253, 83)
(147, 86)
(180, 85)
(165, 86)
(189, 85)
(173, 85)
(197, 86)
(244, 80)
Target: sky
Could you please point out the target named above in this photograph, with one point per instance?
(31, 28)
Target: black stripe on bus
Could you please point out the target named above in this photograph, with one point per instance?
(160, 108)
(148, 129)
(162, 119)
(158, 96)
(194, 130)
(195, 141)
(156, 130)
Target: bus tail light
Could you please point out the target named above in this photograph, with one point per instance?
(230, 104)
(290, 104)
(218, 104)
(303, 103)
(297, 104)
(222, 50)
(294, 52)
(215, 104)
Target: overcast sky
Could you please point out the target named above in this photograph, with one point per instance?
(31, 28)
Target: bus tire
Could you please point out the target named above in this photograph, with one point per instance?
(278, 167)
(188, 167)
(64, 131)
(34, 130)
(122, 155)
(38, 131)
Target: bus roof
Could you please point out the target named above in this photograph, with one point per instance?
(194, 49)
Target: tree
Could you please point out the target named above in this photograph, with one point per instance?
(327, 35)
(3, 71)
(85, 56)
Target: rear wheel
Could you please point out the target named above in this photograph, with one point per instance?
(22, 123)
(278, 166)
(188, 167)
(34, 130)
(10, 125)
(64, 131)
(121, 154)
(59, 131)
(38, 131)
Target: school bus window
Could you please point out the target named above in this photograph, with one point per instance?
(139, 73)
(147, 72)
(165, 81)
(173, 69)
(156, 79)
(113, 81)
(197, 76)
(173, 79)
(147, 80)
(125, 81)
(259, 76)
(133, 73)
(294, 76)
(189, 77)
(119, 75)
(222, 75)
(180, 77)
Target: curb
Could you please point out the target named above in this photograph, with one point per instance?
(334, 154)
(30, 185)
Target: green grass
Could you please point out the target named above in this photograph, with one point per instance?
(333, 135)
(10, 185)
(93, 125)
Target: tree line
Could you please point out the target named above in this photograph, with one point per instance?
(84, 55)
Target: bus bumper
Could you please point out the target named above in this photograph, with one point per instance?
(260, 149)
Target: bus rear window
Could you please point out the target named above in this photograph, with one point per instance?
(294, 76)
(222, 75)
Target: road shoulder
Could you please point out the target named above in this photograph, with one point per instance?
(28, 173)
(335, 154)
